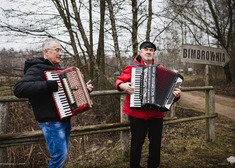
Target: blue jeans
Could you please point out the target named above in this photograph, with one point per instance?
(57, 135)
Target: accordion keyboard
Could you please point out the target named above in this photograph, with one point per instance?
(135, 99)
(60, 97)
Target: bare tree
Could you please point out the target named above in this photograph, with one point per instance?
(134, 27)
(100, 50)
(91, 36)
(206, 17)
(88, 37)
(115, 36)
(80, 46)
(150, 13)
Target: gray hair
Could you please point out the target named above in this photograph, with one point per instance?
(47, 43)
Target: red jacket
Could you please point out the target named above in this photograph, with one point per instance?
(146, 113)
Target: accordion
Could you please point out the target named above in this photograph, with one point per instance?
(73, 96)
(154, 86)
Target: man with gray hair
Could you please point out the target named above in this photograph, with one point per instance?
(34, 86)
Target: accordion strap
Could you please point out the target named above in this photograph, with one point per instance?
(140, 65)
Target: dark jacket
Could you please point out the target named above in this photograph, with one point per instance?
(39, 91)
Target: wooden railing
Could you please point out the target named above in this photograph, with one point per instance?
(32, 137)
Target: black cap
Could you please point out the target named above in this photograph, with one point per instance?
(147, 44)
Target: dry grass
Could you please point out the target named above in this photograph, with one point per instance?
(184, 144)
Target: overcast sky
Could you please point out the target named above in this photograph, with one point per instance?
(18, 41)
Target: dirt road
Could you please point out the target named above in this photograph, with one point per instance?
(223, 105)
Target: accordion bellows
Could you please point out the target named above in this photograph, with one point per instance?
(73, 97)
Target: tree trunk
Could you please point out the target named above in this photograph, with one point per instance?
(115, 36)
(134, 28)
(100, 50)
(82, 32)
(91, 38)
(228, 73)
(66, 18)
(150, 13)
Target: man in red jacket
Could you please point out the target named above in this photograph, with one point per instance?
(143, 121)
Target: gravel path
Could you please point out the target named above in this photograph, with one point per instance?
(223, 105)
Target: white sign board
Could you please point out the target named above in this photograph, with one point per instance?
(204, 55)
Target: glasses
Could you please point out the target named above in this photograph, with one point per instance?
(58, 50)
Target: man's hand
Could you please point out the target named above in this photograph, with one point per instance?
(177, 92)
(89, 86)
(127, 87)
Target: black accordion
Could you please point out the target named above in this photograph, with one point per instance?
(154, 86)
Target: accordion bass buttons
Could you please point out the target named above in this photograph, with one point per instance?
(66, 85)
(74, 88)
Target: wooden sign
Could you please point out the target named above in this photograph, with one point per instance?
(204, 55)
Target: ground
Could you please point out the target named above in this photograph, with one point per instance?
(224, 105)
(224, 96)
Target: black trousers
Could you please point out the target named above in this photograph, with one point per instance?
(139, 129)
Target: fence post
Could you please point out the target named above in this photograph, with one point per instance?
(210, 110)
(124, 135)
(4, 106)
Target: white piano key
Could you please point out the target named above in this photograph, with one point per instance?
(60, 97)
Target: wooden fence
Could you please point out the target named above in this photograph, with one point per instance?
(32, 137)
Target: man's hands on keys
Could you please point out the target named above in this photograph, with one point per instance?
(127, 87)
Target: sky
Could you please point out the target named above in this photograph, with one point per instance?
(17, 41)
